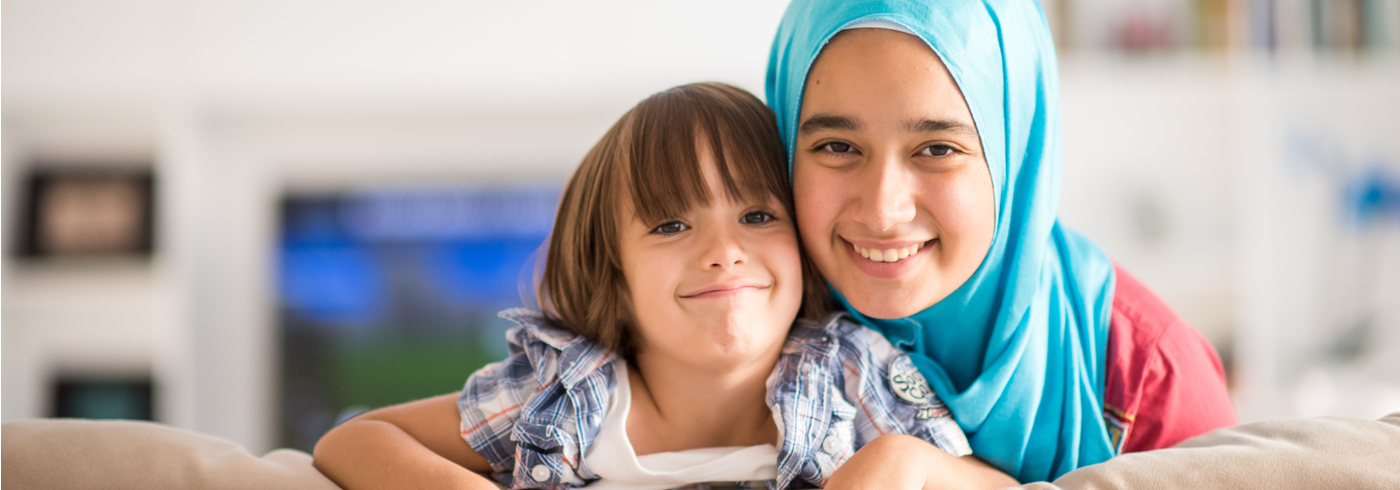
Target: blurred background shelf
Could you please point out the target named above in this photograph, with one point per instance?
(1273, 27)
(1248, 174)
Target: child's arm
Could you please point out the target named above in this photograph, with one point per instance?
(413, 445)
(900, 462)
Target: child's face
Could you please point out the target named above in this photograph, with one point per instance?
(717, 287)
(888, 162)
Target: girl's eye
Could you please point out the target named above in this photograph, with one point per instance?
(757, 218)
(670, 228)
(937, 150)
(836, 147)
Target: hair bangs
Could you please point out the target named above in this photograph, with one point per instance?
(669, 132)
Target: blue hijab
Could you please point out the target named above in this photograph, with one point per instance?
(1017, 352)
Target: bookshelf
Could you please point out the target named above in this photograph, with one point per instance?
(1322, 27)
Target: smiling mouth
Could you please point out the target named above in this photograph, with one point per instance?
(891, 254)
(723, 290)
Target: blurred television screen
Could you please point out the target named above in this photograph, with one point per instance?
(391, 295)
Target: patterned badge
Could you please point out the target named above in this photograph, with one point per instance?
(911, 388)
(908, 384)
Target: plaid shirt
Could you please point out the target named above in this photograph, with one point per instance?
(837, 386)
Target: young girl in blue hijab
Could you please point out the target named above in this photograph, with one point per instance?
(924, 152)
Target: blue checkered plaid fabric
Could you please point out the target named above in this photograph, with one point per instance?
(535, 415)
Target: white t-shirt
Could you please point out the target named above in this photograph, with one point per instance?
(614, 460)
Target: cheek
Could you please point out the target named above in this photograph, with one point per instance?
(647, 278)
(817, 197)
(787, 260)
(965, 211)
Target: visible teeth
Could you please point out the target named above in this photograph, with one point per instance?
(891, 255)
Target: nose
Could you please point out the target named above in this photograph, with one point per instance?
(885, 196)
(722, 248)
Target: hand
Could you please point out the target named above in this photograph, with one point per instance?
(900, 462)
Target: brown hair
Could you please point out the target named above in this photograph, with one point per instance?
(649, 157)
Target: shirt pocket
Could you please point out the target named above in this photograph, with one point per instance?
(546, 456)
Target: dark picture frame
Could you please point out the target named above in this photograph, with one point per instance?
(114, 398)
(88, 212)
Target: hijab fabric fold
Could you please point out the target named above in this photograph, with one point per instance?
(1017, 352)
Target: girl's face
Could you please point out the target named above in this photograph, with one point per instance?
(716, 288)
(893, 194)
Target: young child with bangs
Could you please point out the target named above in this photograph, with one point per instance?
(668, 352)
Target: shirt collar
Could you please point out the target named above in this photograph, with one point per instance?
(578, 357)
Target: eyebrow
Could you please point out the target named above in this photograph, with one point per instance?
(940, 125)
(823, 122)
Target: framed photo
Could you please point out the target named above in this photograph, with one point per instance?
(89, 212)
(103, 398)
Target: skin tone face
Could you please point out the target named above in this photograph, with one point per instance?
(717, 287)
(712, 294)
(894, 198)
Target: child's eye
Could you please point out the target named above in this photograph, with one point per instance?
(757, 218)
(836, 147)
(937, 150)
(670, 228)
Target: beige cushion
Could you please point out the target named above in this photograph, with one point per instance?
(1326, 452)
(84, 454)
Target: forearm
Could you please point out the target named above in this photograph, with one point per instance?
(908, 463)
(943, 471)
(970, 472)
(373, 454)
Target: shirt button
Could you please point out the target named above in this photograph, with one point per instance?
(832, 444)
(540, 473)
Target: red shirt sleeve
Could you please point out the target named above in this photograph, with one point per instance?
(1164, 383)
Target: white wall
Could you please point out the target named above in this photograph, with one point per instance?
(1173, 164)
(238, 103)
(1188, 172)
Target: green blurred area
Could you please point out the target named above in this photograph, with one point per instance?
(401, 369)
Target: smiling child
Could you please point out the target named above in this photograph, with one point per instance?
(668, 351)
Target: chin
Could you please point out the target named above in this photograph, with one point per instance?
(883, 310)
(751, 341)
(886, 299)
